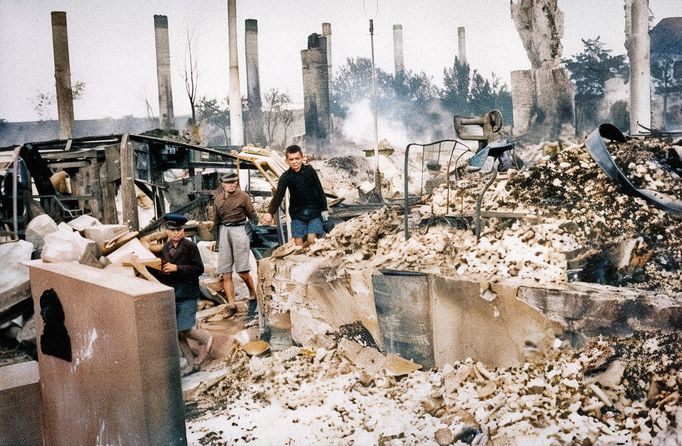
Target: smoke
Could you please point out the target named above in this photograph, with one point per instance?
(398, 123)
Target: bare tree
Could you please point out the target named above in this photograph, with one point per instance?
(191, 75)
(43, 102)
(276, 113)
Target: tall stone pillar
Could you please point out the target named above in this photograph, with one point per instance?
(398, 60)
(638, 48)
(254, 133)
(163, 73)
(316, 93)
(62, 74)
(461, 44)
(546, 87)
(327, 34)
(236, 120)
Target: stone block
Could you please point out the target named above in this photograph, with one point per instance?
(109, 360)
(589, 310)
(20, 405)
(103, 233)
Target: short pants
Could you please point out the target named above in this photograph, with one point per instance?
(299, 228)
(234, 250)
(185, 313)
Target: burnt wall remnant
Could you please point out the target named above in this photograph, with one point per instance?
(316, 93)
(546, 87)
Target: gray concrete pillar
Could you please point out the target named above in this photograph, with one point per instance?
(461, 43)
(316, 93)
(398, 59)
(523, 100)
(62, 74)
(637, 45)
(236, 120)
(327, 34)
(163, 73)
(255, 133)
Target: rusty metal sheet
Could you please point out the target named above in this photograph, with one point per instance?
(600, 153)
(404, 314)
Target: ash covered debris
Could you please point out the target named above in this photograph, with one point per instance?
(613, 391)
(571, 217)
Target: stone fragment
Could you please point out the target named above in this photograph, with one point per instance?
(397, 366)
(486, 389)
(370, 360)
(444, 436)
(255, 348)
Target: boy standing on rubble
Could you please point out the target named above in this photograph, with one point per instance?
(307, 201)
(233, 208)
(181, 266)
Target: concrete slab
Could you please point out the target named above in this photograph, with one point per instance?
(20, 405)
(122, 382)
(588, 310)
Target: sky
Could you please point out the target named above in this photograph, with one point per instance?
(111, 44)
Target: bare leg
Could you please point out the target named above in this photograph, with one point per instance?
(184, 348)
(228, 286)
(298, 241)
(246, 277)
(310, 239)
(205, 341)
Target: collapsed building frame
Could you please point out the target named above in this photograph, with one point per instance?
(101, 167)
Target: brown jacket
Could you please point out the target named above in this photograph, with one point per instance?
(234, 207)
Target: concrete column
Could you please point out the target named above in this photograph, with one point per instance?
(637, 45)
(327, 33)
(255, 132)
(523, 100)
(163, 73)
(461, 42)
(316, 93)
(236, 120)
(62, 74)
(398, 48)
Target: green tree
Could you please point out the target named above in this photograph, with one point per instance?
(665, 83)
(592, 67)
(455, 93)
(210, 112)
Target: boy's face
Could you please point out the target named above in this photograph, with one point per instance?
(295, 161)
(230, 187)
(176, 234)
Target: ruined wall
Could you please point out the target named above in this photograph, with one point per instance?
(501, 324)
(316, 94)
(546, 86)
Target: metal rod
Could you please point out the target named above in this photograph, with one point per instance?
(15, 215)
(480, 199)
(377, 174)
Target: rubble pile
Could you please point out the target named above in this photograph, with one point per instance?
(571, 186)
(563, 207)
(617, 391)
(521, 249)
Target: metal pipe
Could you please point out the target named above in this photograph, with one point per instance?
(480, 199)
(15, 215)
(377, 174)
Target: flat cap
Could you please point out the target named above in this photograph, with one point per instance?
(175, 221)
(230, 177)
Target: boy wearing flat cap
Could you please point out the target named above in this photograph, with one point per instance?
(233, 208)
(181, 267)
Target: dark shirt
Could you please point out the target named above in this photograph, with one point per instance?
(306, 196)
(185, 281)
